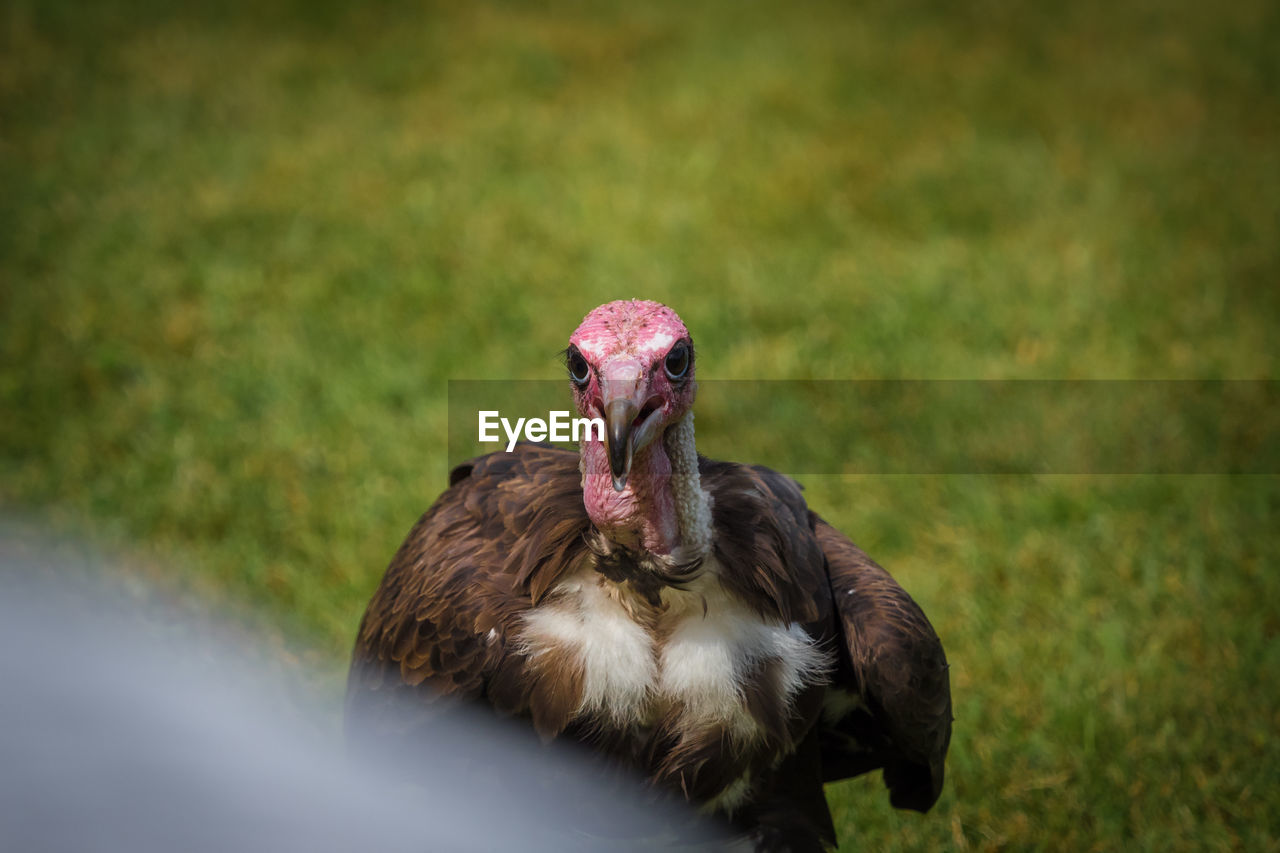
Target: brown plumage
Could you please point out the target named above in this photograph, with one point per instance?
(776, 658)
(512, 524)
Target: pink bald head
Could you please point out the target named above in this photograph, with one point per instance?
(628, 327)
(635, 352)
(631, 363)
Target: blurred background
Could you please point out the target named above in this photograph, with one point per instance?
(244, 246)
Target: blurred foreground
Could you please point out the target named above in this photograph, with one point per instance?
(129, 728)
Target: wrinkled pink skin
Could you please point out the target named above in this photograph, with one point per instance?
(625, 343)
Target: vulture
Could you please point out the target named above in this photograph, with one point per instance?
(692, 620)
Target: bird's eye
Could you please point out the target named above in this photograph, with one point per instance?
(579, 370)
(677, 361)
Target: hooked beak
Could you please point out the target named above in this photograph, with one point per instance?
(618, 417)
(631, 419)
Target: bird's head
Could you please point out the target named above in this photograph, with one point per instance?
(630, 363)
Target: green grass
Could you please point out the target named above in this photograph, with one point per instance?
(243, 247)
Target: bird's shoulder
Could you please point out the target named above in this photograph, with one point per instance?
(507, 528)
(765, 542)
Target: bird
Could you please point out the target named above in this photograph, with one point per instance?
(692, 620)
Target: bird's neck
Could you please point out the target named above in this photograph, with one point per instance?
(663, 508)
(692, 504)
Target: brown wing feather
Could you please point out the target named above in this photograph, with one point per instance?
(764, 542)
(446, 611)
(893, 659)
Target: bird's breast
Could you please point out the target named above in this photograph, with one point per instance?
(701, 662)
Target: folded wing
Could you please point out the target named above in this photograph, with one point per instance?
(889, 704)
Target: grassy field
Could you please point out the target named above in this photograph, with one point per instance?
(244, 246)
